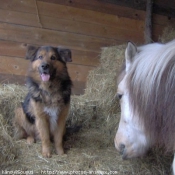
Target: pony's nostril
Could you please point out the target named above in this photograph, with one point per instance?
(122, 148)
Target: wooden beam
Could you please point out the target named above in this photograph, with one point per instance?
(148, 22)
(166, 8)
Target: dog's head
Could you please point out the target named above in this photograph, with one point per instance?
(47, 61)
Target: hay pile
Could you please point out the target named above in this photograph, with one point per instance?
(99, 103)
(10, 97)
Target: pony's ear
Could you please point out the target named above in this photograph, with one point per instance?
(130, 52)
(31, 52)
(65, 54)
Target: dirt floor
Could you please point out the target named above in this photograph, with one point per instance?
(87, 152)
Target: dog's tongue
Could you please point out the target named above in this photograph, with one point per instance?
(45, 77)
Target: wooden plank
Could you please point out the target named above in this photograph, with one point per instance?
(140, 4)
(165, 9)
(167, 3)
(76, 14)
(75, 26)
(107, 8)
(71, 26)
(12, 79)
(14, 17)
(163, 20)
(119, 32)
(77, 89)
(27, 6)
(13, 66)
(101, 6)
(83, 27)
(49, 37)
(65, 12)
(85, 58)
(78, 27)
(12, 49)
(79, 72)
(15, 49)
(19, 66)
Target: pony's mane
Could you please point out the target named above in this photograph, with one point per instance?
(151, 84)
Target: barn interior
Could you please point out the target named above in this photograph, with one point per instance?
(97, 33)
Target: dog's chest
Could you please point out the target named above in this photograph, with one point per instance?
(54, 99)
(53, 113)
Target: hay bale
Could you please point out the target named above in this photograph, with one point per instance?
(10, 97)
(98, 107)
(168, 34)
(7, 147)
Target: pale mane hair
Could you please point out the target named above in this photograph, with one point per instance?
(151, 84)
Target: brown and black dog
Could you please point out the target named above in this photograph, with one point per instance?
(46, 106)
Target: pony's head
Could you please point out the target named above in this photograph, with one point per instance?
(146, 89)
(130, 139)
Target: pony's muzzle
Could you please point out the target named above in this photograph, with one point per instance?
(122, 150)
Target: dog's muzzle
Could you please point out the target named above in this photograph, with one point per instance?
(44, 70)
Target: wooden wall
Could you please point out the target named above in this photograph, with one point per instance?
(84, 26)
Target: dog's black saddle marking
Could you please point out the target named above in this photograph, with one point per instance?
(25, 104)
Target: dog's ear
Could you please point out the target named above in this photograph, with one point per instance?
(31, 53)
(65, 54)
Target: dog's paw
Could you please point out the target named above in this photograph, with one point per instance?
(59, 151)
(46, 153)
(30, 140)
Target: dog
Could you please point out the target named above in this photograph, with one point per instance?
(46, 106)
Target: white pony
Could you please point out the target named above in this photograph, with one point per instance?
(146, 88)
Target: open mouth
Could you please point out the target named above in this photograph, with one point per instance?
(45, 77)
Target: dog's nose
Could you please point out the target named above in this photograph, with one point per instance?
(45, 66)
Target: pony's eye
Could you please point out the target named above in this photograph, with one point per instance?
(40, 57)
(53, 57)
(119, 96)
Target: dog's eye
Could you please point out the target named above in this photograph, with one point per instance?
(40, 57)
(53, 57)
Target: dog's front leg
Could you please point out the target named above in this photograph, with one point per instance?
(42, 125)
(60, 129)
